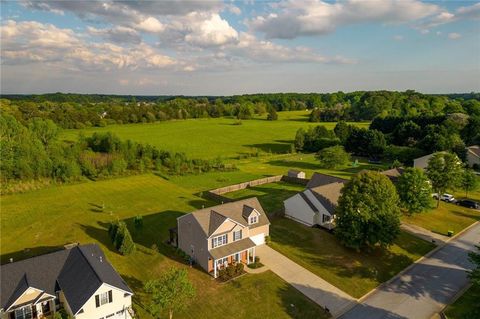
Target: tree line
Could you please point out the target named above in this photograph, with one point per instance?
(33, 151)
(79, 110)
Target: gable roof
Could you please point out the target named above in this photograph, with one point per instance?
(78, 271)
(232, 210)
(393, 174)
(216, 220)
(319, 179)
(328, 195)
(308, 201)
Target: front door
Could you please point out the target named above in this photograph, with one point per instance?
(46, 307)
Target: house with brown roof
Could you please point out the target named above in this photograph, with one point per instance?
(316, 204)
(473, 156)
(218, 236)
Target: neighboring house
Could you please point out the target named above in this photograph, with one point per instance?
(79, 279)
(217, 236)
(393, 174)
(473, 156)
(316, 204)
(296, 174)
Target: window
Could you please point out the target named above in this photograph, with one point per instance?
(325, 218)
(253, 219)
(103, 298)
(237, 235)
(219, 241)
(222, 261)
(237, 257)
(120, 313)
(23, 313)
(110, 315)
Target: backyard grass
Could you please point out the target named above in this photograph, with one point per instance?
(462, 307)
(447, 216)
(356, 273)
(218, 137)
(40, 221)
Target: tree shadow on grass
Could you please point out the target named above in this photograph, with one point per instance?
(28, 253)
(275, 148)
(466, 214)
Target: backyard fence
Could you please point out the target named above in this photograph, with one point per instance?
(216, 194)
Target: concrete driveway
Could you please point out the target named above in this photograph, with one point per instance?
(426, 288)
(312, 286)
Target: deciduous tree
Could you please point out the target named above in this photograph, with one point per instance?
(414, 190)
(444, 171)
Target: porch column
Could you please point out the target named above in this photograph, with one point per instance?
(214, 268)
(253, 254)
(248, 256)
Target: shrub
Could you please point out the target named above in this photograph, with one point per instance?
(121, 238)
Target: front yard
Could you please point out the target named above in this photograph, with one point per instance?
(447, 216)
(356, 273)
(461, 308)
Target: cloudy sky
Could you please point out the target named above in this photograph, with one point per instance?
(229, 47)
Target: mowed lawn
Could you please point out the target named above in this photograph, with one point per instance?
(462, 307)
(356, 273)
(218, 137)
(41, 221)
(447, 216)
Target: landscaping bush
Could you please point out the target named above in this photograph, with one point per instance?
(231, 271)
(121, 238)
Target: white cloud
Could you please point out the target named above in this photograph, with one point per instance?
(117, 34)
(304, 18)
(150, 24)
(209, 31)
(463, 13)
(454, 36)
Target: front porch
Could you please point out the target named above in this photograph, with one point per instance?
(242, 251)
(38, 310)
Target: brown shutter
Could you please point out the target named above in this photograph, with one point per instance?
(97, 300)
(110, 298)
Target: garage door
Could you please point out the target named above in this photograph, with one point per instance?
(258, 239)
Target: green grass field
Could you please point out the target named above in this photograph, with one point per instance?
(447, 216)
(40, 221)
(356, 273)
(462, 307)
(211, 138)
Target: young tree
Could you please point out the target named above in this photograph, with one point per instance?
(272, 114)
(367, 212)
(299, 139)
(333, 156)
(444, 171)
(172, 292)
(414, 190)
(342, 131)
(469, 181)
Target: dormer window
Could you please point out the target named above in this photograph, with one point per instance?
(253, 219)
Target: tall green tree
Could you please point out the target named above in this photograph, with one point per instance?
(469, 181)
(444, 171)
(45, 130)
(414, 190)
(333, 156)
(171, 292)
(368, 212)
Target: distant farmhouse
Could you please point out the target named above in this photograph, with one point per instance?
(473, 156)
(218, 236)
(79, 280)
(316, 204)
(296, 174)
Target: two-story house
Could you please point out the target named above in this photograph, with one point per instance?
(217, 236)
(79, 279)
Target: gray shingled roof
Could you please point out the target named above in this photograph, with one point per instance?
(232, 210)
(79, 272)
(328, 195)
(319, 179)
(232, 248)
(308, 201)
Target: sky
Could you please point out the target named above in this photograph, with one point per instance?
(237, 47)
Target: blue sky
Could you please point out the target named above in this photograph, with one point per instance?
(228, 47)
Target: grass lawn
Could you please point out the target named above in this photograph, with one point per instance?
(41, 221)
(461, 308)
(447, 216)
(355, 273)
(271, 196)
(210, 138)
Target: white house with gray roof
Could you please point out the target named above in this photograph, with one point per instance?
(218, 236)
(79, 280)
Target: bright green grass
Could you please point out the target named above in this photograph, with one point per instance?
(462, 307)
(355, 273)
(271, 196)
(211, 138)
(447, 216)
(46, 219)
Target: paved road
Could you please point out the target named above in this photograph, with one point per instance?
(426, 287)
(312, 286)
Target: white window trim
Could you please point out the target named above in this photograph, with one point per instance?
(241, 235)
(218, 241)
(250, 219)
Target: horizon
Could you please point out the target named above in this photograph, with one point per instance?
(223, 48)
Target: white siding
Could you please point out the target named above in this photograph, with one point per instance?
(258, 239)
(297, 209)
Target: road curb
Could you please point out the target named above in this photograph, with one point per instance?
(402, 272)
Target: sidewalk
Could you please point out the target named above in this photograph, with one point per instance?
(424, 234)
(312, 286)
